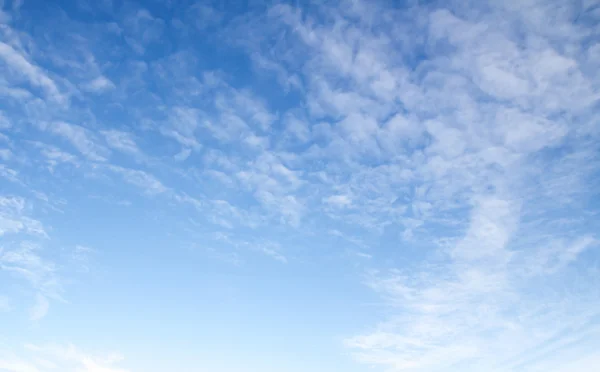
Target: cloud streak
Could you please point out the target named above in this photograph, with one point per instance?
(19, 64)
(35, 358)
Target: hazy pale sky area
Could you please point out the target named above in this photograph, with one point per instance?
(299, 186)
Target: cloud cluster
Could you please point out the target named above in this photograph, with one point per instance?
(451, 146)
(452, 125)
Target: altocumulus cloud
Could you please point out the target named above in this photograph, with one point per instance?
(450, 147)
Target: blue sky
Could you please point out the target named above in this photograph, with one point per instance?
(294, 186)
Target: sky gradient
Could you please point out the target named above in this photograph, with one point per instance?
(240, 186)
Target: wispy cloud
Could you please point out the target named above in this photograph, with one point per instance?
(81, 139)
(183, 123)
(121, 141)
(19, 64)
(266, 247)
(54, 156)
(442, 148)
(25, 261)
(81, 257)
(451, 147)
(147, 182)
(35, 358)
(14, 219)
(141, 29)
(99, 85)
(23, 258)
(273, 250)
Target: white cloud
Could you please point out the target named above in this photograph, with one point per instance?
(182, 125)
(13, 218)
(493, 222)
(81, 257)
(443, 147)
(150, 184)
(36, 76)
(204, 16)
(26, 261)
(338, 200)
(274, 185)
(82, 139)
(54, 156)
(8, 173)
(121, 141)
(268, 248)
(461, 140)
(272, 252)
(297, 128)
(248, 106)
(142, 29)
(68, 358)
(99, 85)
(182, 155)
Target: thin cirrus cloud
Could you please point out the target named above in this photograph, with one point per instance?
(442, 157)
(35, 358)
(18, 63)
